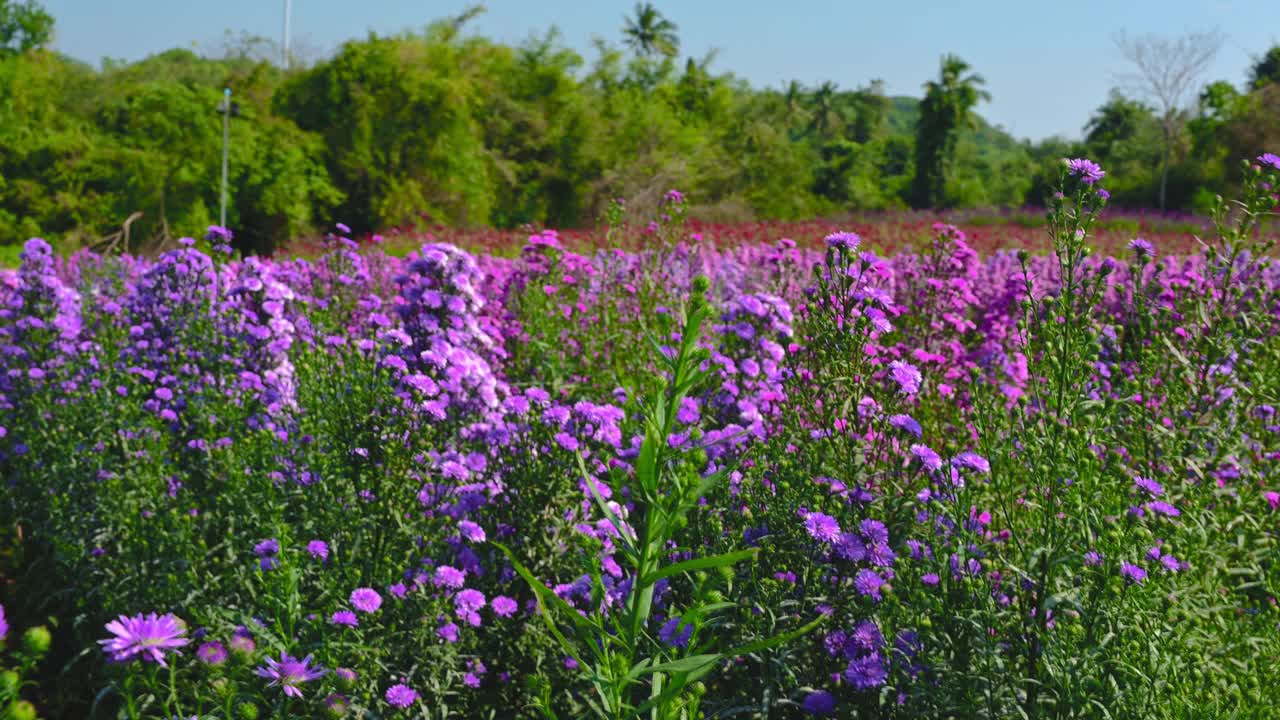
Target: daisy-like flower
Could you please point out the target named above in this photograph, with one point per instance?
(289, 672)
(318, 549)
(147, 637)
(1150, 487)
(1088, 171)
(843, 241)
(821, 527)
(401, 696)
(344, 618)
(1269, 160)
(449, 577)
(366, 600)
(503, 606)
(212, 653)
(1141, 248)
(471, 532)
(1133, 573)
(927, 457)
(906, 375)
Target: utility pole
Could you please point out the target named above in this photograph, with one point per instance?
(285, 60)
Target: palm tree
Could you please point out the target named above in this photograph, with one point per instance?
(649, 33)
(947, 108)
(825, 116)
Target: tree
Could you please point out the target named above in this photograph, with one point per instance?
(1266, 70)
(824, 116)
(946, 110)
(23, 26)
(1164, 71)
(649, 33)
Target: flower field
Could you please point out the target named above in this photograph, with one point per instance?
(753, 478)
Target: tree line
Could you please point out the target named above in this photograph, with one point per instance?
(444, 127)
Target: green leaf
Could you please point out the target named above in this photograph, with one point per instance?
(702, 563)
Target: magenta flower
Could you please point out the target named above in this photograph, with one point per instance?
(366, 600)
(1133, 573)
(318, 549)
(1088, 171)
(289, 672)
(212, 653)
(821, 527)
(1269, 160)
(907, 376)
(503, 606)
(471, 532)
(401, 696)
(144, 636)
(843, 241)
(344, 618)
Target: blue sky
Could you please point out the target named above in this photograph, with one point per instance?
(1048, 63)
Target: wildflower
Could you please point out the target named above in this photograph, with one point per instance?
(847, 241)
(344, 618)
(401, 696)
(398, 591)
(144, 636)
(1151, 487)
(906, 423)
(1088, 171)
(1170, 563)
(906, 375)
(366, 600)
(448, 632)
(503, 606)
(1141, 248)
(868, 583)
(212, 653)
(850, 547)
(821, 527)
(471, 531)
(927, 457)
(468, 604)
(242, 642)
(1133, 573)
(865, 638)
(972, 461)
(819, 702)
(1269, 160)
(337, 704)
(4, 624)
(930, 579)
(289, 672)
(1272, 497)
(449, 577)
(318, 549)
(267, 548)
(675, 632)
(874, 530)
(1163, 508)
(866, 672)
(1092, 558)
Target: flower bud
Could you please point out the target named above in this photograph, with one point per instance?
(36, 640)
(21, 710)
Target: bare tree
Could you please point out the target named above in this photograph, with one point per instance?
(1165, 71)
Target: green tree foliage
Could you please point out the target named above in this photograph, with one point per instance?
(441, 126)
(23, 26)
(946, 111)
(1266, 71)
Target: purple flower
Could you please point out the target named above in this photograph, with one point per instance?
(471, 532)
(401, 696)
(212, 653)
(447, 576)
(906, 423)
(972, 461)
(318, 549)
(503, 606)
(1133, 573)
(927, 457)
(930, 579)
(267, 548)
(1092, 558)
(874, 530)
(1163, 508)
(1088, 171)
(1151, 487)
(468, 603)
(675, 632)
(907, 376)
(850, 547)
(821, 527)
(366, 600)
(448, 632)
(289, 672)
(344, 618)
(847, 241)
(868, 583)
(1141, 248)
(1269, 160)
(398, 591)
(819, 702)
(144, 636)
(1170, 563)
(866, 672)
(4, 624)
